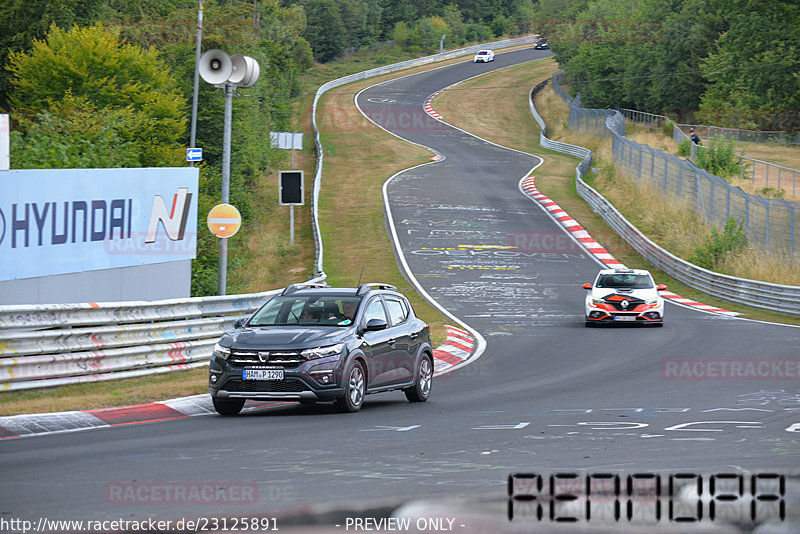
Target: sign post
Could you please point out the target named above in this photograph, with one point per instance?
(194, 154)
(287, 141)
(291, 194)
(224, 221)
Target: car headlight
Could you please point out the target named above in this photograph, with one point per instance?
(221, 352)
(597, 301)
(652, 302)
(323, 352)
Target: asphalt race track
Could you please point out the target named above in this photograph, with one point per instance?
(546, 394)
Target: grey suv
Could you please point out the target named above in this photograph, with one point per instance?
(314, 343)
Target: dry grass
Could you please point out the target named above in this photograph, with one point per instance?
(671, 224)
(650, 136)
(764, 265)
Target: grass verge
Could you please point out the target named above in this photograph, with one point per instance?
(509, 89)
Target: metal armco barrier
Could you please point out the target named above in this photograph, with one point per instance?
(774, 297)
(58, 344)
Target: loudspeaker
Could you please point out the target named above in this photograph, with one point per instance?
(215, 66)
(245, 71)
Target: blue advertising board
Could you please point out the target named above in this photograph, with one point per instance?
(58, 221)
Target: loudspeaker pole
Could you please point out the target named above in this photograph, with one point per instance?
(227, 73)
(222, 281)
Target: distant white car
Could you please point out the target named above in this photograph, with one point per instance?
(484, 55)
(624, 295)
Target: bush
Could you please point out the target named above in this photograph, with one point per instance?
(478, 33)
(772, 192)
(668, 128)
(685, 148)
(716, 246)
(719, 159)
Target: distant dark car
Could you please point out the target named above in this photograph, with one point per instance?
(312, 344)
(541, 45)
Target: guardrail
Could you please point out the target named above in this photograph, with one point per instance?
(60, 344)
(51, 345)
(774, 297)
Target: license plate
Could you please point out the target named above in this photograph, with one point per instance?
(624, 317)
(262, 374)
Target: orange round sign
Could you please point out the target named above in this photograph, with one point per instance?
(224, 220)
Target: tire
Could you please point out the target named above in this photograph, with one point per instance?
(423, 380)
(228, 407)
(355, 387)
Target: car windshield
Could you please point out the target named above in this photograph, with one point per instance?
(628, 281)
(307, 310)
(482, 53)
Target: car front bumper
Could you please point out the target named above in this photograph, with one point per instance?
(653, 316)
(303, 382)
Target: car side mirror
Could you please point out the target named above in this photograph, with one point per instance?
(373, 325)
(587, 286)
(239, 323)
(661, 287)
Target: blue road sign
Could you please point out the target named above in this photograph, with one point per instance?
(194, 154)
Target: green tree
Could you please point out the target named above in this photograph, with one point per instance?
(401, 34)
(94, 64)
(354, 17)
(74, 134)
(22, 21)
(753, 72)
(325, 30)
(455, 23)
(499, 26)
(429, 31)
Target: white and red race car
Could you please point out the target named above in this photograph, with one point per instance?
(624, 296)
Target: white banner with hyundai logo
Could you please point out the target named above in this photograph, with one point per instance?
(58, 221)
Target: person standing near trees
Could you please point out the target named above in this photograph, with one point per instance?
(694, 137)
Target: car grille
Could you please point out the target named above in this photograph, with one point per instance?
(274, 357)
(617, 300)
(290, 385)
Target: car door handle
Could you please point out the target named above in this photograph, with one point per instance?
(414, 336)
(392, 341)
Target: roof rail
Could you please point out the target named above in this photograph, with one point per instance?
(363, 288)
(291, 288)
